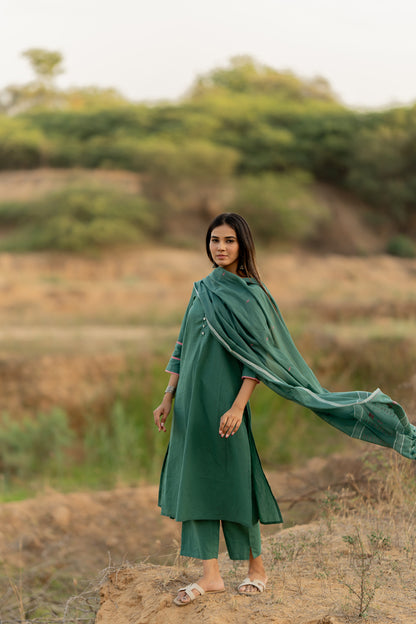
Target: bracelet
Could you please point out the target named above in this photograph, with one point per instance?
(171, 389)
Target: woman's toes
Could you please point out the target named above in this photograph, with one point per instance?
(183, 597)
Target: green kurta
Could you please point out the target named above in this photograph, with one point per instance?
(204, 476)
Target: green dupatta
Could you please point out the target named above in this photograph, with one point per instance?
(244, 320)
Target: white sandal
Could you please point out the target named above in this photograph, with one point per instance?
(188, 590)
(260, 585)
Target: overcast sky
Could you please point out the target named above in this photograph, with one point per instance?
(153, 49)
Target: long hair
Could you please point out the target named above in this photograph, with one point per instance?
(247, 253)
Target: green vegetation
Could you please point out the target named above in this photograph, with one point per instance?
(22, 146)
(402, 246)
(76, 219)
(237, 127)
(119, 444)
(122, 445)
(279, 207)
(185, 183)
(34, 446)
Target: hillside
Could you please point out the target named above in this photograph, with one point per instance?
(347, 230)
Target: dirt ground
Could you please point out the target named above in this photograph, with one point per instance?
(30, 184)
(310, 565)
(314, 578)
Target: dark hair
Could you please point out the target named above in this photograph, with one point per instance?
(247, 253)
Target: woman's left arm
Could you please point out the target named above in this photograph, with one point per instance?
(232, 419)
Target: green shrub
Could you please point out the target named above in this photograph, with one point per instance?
(77, 219)
(383, 163)
(124, 443)
(131, 120)
(21, 146)
(98, 152)
(184, 175)
(401, 246)
(34, 446)
(278, 207)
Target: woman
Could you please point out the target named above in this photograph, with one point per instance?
(233, 336)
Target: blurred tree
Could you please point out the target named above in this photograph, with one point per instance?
(246, 75)
(21, 145)
(383, 165)
(45, 63)
(93, 98)
(42, 91)
(193, 176)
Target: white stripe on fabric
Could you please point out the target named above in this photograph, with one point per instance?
(276, 379)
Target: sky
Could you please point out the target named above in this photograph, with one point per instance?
(154, 49)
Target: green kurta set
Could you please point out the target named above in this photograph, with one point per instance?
(232, 328)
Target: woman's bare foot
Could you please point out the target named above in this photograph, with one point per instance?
(256, 572)
(211, 581)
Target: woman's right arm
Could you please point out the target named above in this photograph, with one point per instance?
(161, 413)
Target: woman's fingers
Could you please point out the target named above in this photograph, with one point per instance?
(229, 425)
(160, 416)
(156, 417)
(162, 421)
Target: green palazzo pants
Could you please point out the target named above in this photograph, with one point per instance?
(200, 539)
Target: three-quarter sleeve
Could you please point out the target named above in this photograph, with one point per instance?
(248, 373)
(174, 363)
(175, 359)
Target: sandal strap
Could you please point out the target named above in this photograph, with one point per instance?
(188, 590)
(256, 583)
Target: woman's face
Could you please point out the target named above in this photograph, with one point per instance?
(224, 247)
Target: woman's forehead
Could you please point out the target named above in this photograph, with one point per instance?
(223, 231)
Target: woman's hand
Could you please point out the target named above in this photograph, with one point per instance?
(161, 413)
(231, 421)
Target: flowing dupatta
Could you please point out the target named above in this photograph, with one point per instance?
(248, 323)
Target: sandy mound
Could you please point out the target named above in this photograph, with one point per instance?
(316, 576)
(315, 570)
